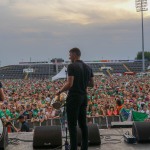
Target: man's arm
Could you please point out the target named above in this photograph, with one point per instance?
(17, 130)
(1, 93)
(67, 85)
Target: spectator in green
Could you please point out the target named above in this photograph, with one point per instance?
(34, 110)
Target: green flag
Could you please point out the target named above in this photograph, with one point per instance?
(139, 116)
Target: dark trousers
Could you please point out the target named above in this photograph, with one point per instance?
(76, 112)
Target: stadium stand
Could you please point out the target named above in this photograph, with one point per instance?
(44, 71)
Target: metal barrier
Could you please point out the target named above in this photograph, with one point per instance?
(102, 121)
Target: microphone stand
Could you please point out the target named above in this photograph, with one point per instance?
(67, 146)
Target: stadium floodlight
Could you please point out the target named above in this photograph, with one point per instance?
(49, 62)
(142, 5)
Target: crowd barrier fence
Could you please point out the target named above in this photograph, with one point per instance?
(103, 122)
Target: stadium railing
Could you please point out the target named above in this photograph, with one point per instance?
(103, 122)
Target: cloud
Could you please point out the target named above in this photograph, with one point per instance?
(82, 12)
(49, 28)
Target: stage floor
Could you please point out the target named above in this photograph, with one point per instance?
(111, 139)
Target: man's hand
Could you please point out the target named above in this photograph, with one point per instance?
(91, 83)
(58, 92)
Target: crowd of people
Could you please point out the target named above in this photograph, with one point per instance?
(33, 98)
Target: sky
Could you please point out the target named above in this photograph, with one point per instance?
(39, 30)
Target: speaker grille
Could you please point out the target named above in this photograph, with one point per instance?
(94, 135)
(47, 137)
(141, 130)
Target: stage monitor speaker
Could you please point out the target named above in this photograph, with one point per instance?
(141, 130)
(93, 135)
(3, 136)
(47, 137)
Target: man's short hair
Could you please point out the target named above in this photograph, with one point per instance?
(21, 117)
(76, 51)
(8, 123)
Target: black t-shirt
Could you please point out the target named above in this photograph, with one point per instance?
(25, 127)
(82, 74)
(1, 85)
(27, 114)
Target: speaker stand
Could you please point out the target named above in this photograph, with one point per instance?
(67, 146)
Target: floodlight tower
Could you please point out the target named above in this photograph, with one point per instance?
(141, 5)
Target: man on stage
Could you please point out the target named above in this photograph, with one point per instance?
(80, 76)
